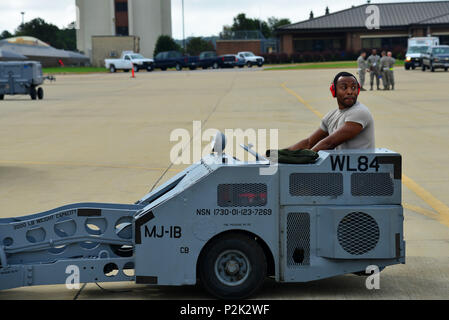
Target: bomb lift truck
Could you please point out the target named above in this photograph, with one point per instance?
(224, 223)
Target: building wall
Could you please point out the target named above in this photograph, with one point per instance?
(235, 46)
(147, 19)
(287, 44)
(150, 20)
(353, 41)
(95, 18)
(111, 47)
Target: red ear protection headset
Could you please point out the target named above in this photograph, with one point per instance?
(334, 91)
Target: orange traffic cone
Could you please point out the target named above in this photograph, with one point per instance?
(133, 75)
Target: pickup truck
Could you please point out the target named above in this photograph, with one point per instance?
(129, 60)
(436, 57)
(175, 59)
(209, 59)
(251, 59)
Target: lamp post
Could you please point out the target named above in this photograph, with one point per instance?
(183, 33)
(23, 17)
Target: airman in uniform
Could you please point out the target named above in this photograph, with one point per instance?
(390, 73)
(362, 66)
(373, 65)
(383, 65)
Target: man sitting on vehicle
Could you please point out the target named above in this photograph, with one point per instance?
(350, 126)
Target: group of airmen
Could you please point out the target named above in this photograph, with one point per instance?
(378, 67)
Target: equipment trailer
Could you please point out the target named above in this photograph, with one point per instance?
(225, 222)
(22, 77)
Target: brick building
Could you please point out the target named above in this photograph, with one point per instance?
(346, 31)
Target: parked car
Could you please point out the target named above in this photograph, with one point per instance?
(231, 61)
(436, 57)
(209, 59)
(175, 59)
(416, 48)
(251, 59)
(239, 62)
(129, 60)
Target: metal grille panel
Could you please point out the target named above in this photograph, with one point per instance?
(242, 195)
(298, 239)
(371, 185)
(316, 184)
(358, 233)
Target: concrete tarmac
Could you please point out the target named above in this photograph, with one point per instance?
(106, 138)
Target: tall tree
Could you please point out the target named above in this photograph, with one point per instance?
(274, 23)
(226, 33)
(243, 23)
(5, 35)
(48, 33)
(165, 43)
(197, 45)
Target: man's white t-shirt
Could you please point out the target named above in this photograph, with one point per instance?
(358, 113)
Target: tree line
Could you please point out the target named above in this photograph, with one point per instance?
(196, 45)
(49, 33)
(66, 38)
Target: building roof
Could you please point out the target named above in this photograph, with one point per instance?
(391, 15)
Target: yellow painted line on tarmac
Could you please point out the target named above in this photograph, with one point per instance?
(428, 198)
(418, 209)
(437, 205)
(74, 164)
(304, 102)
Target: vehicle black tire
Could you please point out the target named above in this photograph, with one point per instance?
(432, 68)
(423, 68)
(33, 93)
(192, 68)
(164, 69)
(215, 65)
(136, 68)
(260, 65)
(407, 67)
(413, 67)
(40, 93)
(445, 69)
(241, 67)
(112, 69)
(249, 64)
(150, 68)
(178, 67)
(2, 96)
(233, 266)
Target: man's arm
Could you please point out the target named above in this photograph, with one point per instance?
(308, 143)
(345, 133)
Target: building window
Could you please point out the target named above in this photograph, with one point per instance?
(121, 18)
(122, 31)
(371, 43)
(384, 43)
(444, 39)
(121, 7)
(301, 45)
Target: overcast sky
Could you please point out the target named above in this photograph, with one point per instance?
(202, 17)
